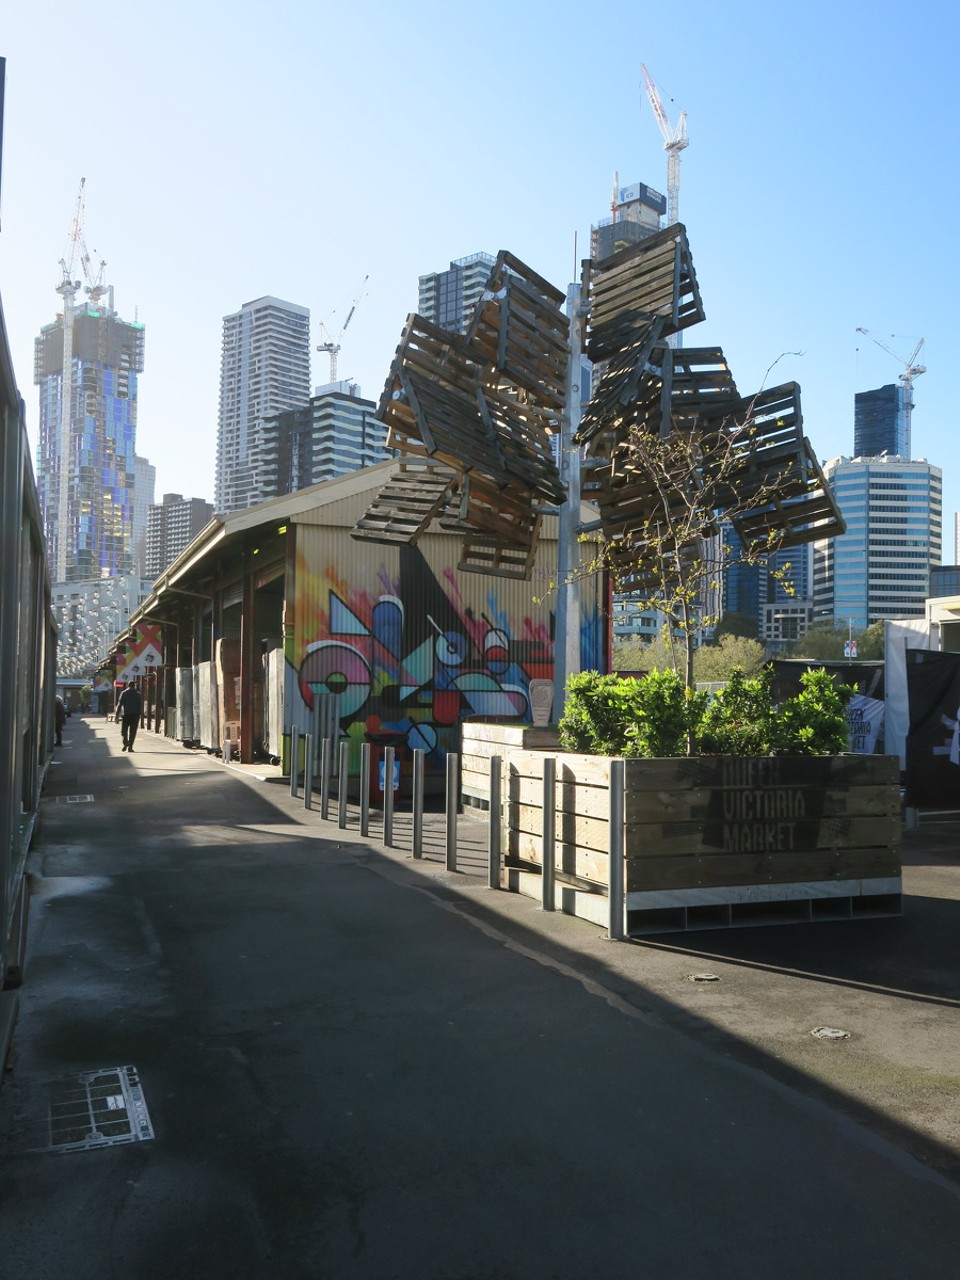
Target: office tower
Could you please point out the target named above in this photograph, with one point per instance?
(336, 432)
(447, 298)
(944, 580)
(265, 368)
(171, 526)
(881, 423)
(880, 568)
(88, 360)
(635, 214)
(144, 496)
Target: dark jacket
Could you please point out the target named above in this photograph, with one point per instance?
(130, 704)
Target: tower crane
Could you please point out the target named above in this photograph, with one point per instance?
(674, 141)
(331, 345)
(911, 370)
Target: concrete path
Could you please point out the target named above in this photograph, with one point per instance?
(358, 1066)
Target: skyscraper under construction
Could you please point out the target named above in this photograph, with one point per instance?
(86, 364)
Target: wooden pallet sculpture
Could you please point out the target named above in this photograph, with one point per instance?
(484, 408)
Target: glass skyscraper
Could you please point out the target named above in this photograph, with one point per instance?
(881, 424)
(86, 470)
(880, 568)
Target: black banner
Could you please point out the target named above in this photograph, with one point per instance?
(933, 751)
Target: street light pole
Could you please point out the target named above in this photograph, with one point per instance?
(567, 640)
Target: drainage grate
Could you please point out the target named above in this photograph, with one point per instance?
(74, 799)
(98, 1109)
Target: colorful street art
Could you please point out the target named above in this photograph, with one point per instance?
(415, 657)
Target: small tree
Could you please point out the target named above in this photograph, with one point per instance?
(670, 556)
(733, 653)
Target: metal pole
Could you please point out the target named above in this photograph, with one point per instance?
(548, 852)
(615, 904)
(495, 830)
(567, 644)
(343, 777)
(308, 770)
(294, 760)
(326, 749)
(388, 754)
(418, 759)
(365, 788)
(453, 801)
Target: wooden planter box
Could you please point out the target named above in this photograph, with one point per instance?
(709, 841)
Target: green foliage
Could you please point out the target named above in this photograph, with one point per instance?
(740, 719)
(597, 712)
(815, 721)
(735, 624)
(823, 642)
(870, 642)
(719, 660)
(657, 715)
(666, 716)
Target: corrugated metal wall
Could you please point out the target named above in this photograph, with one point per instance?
(413, 646)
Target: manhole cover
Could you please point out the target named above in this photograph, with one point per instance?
(830, 1033)
(98, 1109)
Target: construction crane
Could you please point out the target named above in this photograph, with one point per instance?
(911, 370)
(331, 345)
(674, 141)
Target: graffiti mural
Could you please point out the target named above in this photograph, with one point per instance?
(415, 657)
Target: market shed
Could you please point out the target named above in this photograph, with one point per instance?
(275, 606)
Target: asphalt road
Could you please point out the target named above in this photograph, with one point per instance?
(357, 1067)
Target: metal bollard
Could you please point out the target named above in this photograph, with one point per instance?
(615, 929)
(495, 830)
(365, 788)
(343, 777)
(294, 761)
(227, 750)
(548, 853)
(388, 755)
(326, 750)
(418, 758)
(308, 770)
(453, 803)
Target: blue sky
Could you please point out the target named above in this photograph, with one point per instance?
(235, 150)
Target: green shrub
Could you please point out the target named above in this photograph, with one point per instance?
(597, 712)
(656, 715)
(666, 715)
(814, 722)
(740, 719)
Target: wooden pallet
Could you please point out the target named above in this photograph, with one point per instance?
(654, 277)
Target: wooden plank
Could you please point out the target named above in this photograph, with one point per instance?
(784, 834)
(878, 800)
(588, 864)
(688, 872)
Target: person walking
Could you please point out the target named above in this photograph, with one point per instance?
(59, 718)
(129, 711)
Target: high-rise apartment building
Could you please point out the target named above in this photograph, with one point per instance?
(86, 365)
(336, 432)
(880, 568)
(881, 423)
(171, 526)
(144, 496)
(265, 368)
(448, 298)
